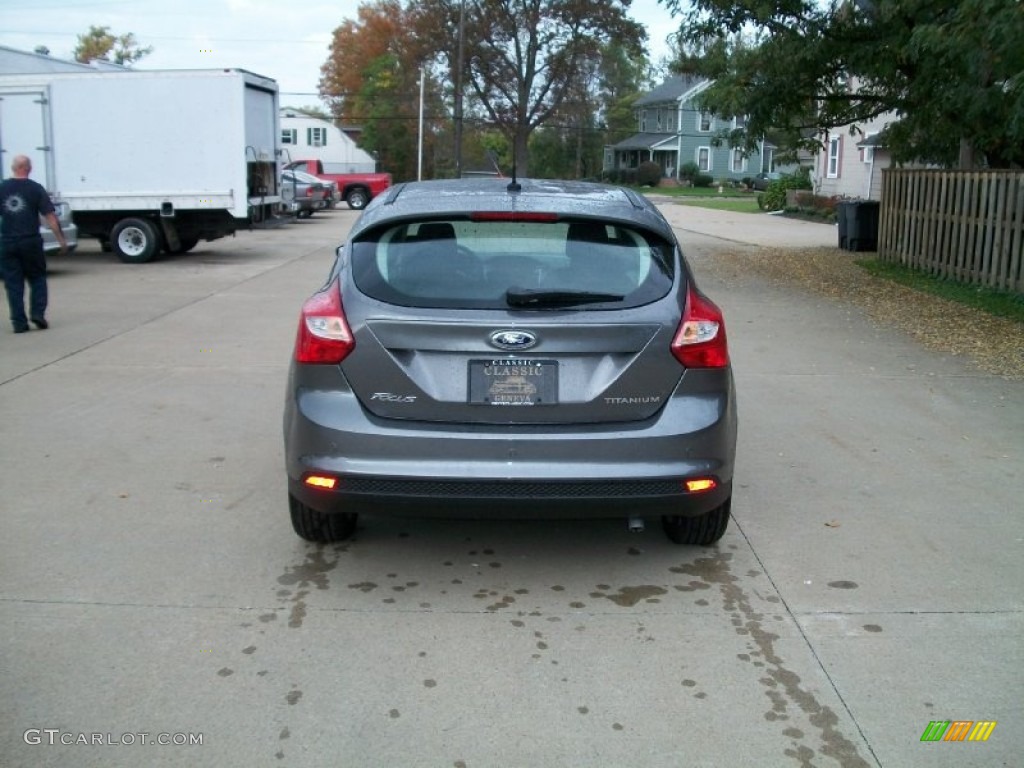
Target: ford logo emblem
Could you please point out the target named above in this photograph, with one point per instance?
(513, 340)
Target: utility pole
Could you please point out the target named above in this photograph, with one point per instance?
(458, 92)
(419, 161)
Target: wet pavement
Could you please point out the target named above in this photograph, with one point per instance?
(150, 583)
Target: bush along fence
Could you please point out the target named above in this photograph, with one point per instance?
(966, 226)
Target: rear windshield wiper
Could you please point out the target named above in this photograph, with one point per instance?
(523, 297)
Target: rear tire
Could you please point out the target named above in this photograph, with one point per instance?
(135, 241)
(701, 531)
(319, 527)
(357, 198)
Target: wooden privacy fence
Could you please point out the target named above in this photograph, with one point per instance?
(962, 225)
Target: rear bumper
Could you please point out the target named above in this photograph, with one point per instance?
(411, 468)
(530, 500)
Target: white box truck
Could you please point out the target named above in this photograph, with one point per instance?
(149, 161)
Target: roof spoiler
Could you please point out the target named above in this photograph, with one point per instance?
(393, 193)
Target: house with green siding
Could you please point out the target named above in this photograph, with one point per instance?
(674, 131)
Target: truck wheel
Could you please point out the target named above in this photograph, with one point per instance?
(135, 241)
(357, 198)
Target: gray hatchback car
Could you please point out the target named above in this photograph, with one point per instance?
(532, 349)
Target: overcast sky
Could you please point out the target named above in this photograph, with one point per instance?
(285, 40)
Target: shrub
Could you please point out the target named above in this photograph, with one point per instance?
(689, 171)
(648, 174)
(623, 176)
(774, 198)
(808, 205)
(703, 180)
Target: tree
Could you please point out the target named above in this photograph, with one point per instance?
(355, 45)
(950, 74)
(623, 78)
(527, 57)
(372, 78)
(526, 63)
(388, 109)
(522, 58)
(98, 43)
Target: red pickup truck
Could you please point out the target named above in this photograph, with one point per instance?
(356, 189)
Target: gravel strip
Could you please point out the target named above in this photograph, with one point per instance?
(992, 344)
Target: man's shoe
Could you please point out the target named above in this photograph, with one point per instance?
(21, 329)
(40, 323)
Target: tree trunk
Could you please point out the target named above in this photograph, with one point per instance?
(522, 151)
(967, 158)
(579, 150)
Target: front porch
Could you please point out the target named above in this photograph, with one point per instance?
(660, 148)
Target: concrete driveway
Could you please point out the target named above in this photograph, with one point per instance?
(150, 583)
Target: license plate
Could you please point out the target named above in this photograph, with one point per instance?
(512, 381)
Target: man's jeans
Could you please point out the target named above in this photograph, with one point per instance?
(22, 260)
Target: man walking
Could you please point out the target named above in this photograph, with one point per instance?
(22, 203)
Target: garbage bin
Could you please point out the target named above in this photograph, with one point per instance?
(862, 225)
(842, 209)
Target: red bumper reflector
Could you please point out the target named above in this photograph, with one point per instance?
(321, 481)
(698, 484)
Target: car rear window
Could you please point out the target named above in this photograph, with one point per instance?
(522, 264)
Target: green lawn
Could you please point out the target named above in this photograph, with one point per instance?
(998, 303)
(697, 192)
(725, 204)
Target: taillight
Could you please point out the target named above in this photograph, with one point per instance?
(324, 336)
(700, 341)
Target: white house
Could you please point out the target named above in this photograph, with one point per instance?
(851, 162)
(311, 138)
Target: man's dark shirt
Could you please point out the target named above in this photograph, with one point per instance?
(22, 201)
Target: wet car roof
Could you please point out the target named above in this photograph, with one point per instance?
(464, 196)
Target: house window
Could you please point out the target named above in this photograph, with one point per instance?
(289, 136)
(835, 144)
(651, 120)
(704, 159)
(704, 122)
(739, 121)
(739, 160)
(316, 137)
(867, 154)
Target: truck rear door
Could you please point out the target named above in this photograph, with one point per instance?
(24, 131)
